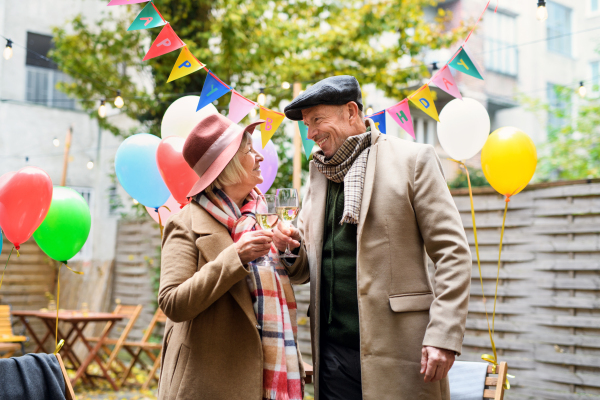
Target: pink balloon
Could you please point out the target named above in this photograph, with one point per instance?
(270, 164)
(25, 197)
(173, 205)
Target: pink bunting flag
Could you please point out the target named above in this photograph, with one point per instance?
(124, 2)
(239, 107)
(401, 114)
(445, 81)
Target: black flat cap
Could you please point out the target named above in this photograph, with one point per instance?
(336, 90)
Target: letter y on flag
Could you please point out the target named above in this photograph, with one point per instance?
(464, 63)
(213, 89)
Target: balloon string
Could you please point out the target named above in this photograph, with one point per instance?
(6, 265)
(160, 225)
(499, 262)
(57, 305)
(495, 358)
(72, 270)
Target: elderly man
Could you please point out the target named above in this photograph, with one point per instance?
(376, 207)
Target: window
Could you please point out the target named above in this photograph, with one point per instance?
(595, 76)
(499, 45)
(559, 104)
(558, 29)
(43, 75)
(85, 254)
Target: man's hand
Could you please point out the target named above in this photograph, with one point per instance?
(285, 235)
(435, 363)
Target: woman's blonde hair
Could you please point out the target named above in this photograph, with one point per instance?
(233, 173)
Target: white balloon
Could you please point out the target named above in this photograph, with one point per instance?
(463, 128)
(181, 116)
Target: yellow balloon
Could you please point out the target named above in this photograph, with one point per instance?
(508, 160)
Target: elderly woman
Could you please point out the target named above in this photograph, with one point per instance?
(231, 332)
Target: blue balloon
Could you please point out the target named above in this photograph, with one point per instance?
(137, 170)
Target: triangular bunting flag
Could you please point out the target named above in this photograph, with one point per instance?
(401, 114)
(306, 142)
(148, 18)
(273, 120)
(213, 89)
(239, 107)
(166, 42)
(379, 119)
(445, 81)
(124, 2)
(423, 99)
(465, 64)
(186, 64)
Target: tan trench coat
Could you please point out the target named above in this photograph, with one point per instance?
(407, 213)
(211, 348)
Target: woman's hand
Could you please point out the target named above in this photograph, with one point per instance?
(254, 244)
(286, 235)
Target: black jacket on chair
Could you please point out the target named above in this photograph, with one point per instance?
(31, 377)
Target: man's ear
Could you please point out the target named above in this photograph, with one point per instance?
(353, 115)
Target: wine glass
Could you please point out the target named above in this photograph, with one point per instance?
(288, 206)
(266, 216)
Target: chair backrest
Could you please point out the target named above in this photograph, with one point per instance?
(494, 383)
(159, 317)
(5, 322)
(69, 393)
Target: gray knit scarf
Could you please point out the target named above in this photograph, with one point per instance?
(348, 164)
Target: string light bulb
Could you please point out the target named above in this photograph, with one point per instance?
(262, 99)
(542, 12)
(369, 110)
(90, 164)
(285, 85)
(135, 202)
(102, 109)
(8, 51)
(582, 89)
(253, 113)
(119, 100)
(56, 142)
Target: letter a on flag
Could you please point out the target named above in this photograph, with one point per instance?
(401, 114)
(124, 2)
(306, 142)
(213, 89)
(423, 99)
(148, 18)
(273, 120)
(166, 42)
(379, 120)
(465, 64)
(445, 81)
(186, 64)
(239, 107)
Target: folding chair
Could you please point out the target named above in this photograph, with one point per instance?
(132, 313)
(495, 384)
(145, 346)
(69, 393)
(6, 332)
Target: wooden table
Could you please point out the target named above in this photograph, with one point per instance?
(77, 322)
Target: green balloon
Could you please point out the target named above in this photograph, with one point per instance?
(66, 226)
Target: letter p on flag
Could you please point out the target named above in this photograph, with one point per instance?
(166, 42)
(186, 64)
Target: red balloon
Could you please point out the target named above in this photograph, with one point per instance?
(25, 197)
(176, 173)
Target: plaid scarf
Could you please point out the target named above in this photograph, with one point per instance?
(348, 164)
(273, 300)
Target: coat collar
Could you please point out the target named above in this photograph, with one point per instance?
(203, 223)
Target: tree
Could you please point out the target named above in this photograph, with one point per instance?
(249, 44)
(572, 148)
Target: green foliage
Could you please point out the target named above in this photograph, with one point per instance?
(572, 148)
(476, 175)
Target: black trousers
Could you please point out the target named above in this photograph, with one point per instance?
(339, 373)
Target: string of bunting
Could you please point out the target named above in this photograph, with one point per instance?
(214, 88)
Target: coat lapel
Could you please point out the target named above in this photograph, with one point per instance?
(369, 178)
(318, 198)
(214, 238)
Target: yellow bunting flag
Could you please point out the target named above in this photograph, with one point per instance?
(186, 64)
(272, 121)
(423, 99)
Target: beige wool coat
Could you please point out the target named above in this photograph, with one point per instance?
(407, 213)
(211, 347)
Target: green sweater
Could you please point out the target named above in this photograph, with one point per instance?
(339, 295)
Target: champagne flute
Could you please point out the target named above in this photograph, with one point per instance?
(288, 206)
(266, 216)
